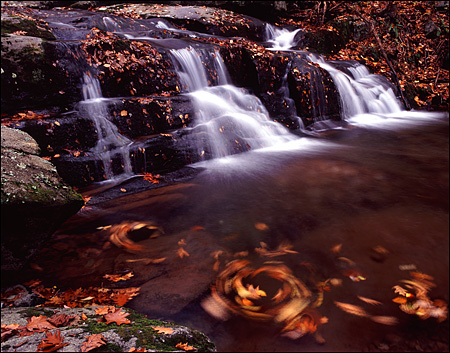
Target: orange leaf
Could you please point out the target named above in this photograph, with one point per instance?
(39, 323)
(164, 330)
(52, 342)
(83, 316)
(351, 309)
(103, 310)
(123, 113)
(118, 316)
(182, 253)
(261, 226)
(93, 341)
(117, 278)
(400, 300)
(196, 228)
(185, 347)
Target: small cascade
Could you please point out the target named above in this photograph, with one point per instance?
(110, 141)
(232, 119)
(361, 92)
(281, 39)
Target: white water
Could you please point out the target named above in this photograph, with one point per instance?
(281, 39)
(110, 141)
(230, 116)
(361, 92)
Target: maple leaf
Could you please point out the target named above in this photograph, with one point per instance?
(103, 310)
(184, 346)
(118, 316)
(164, 330)
(39, 323)
(92, 342)
(52, 342)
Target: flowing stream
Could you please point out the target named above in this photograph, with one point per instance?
(333, 217)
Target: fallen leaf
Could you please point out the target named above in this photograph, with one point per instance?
(123, 113)
(197, 228)
(61, 319)
(163, 330)
(118, 316)
(134, 349)
(385, 320)
(39, 323)
(20, 344)
(117, 278)
(336, 248)
(83, 316)
(351, 309)
(92, 342)
(185, 347)
(52, 342)
(103, 310)
(400, 300)
(182, 253)
(261, 226)
(369, 301)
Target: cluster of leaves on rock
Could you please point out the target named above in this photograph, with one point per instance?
(414, 35)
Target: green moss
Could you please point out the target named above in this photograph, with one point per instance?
(149, 338)
(28, 26)
(29, 312)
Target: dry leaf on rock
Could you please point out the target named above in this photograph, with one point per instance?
(118, 317)
(103, 310)
(164, 330)
(93, 341)
(39, 323)
(52, 342)
(185, 347)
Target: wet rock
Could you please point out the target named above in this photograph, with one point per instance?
(314, 92)
(203, 19)
(31, 78)
(138, 334)
(35, 200)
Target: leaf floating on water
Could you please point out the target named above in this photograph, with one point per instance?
(400, 300)
(400, 290)
(182, 253)
(336, 248)
(117, 278)
(369, 301)
(385, 320)
(261, 226)
(352, 309)
(197, 228)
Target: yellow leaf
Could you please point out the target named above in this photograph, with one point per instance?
(351, 309)
(123, 113)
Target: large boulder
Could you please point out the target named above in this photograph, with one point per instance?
(34, 199)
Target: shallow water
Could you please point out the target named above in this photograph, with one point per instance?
(362, 186)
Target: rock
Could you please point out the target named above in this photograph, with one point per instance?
(138, 334)
(35, 200)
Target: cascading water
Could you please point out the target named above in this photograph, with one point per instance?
(232, 119)
(281, 39)
(110, 141)
(361, 92)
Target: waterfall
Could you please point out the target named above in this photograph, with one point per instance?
(281, 39)
(110, 141)
(361, 92)
(232, 119)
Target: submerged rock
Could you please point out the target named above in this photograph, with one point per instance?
(35, 200)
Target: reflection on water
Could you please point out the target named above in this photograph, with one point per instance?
(326, 222)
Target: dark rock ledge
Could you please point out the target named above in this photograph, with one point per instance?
(34, 200)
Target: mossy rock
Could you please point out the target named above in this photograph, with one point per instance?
(119, 338)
